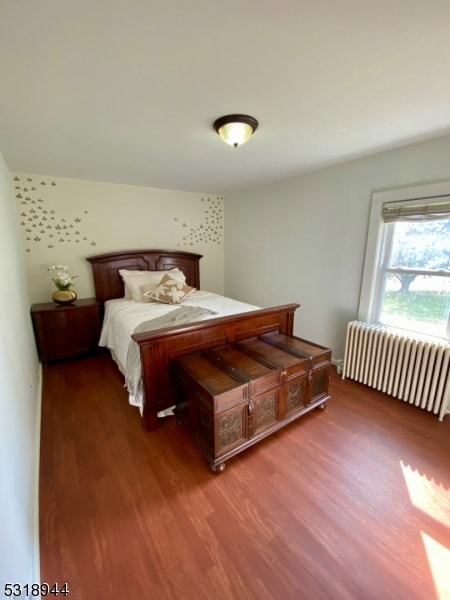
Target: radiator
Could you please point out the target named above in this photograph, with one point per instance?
(411, 369)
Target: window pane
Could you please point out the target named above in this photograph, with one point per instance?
(422, 305)
(412, 301)
(421, 245)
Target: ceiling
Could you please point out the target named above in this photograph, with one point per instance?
(126, 91)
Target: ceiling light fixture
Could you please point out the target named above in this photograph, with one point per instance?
(235, 129)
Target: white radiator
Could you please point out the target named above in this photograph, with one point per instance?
(414, 370)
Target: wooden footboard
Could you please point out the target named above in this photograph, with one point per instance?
(159, 348)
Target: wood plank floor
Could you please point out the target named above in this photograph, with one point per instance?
(350, 503)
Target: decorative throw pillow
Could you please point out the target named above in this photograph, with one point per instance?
(134, 280)
(170, 291)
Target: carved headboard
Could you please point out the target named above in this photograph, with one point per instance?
(108, 282)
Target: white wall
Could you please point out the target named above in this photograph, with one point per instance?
(19, 405)
(62, 221)
(303, 239)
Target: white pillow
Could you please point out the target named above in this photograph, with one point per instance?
(134, 280)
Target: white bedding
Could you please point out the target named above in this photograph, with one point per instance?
(123, 316)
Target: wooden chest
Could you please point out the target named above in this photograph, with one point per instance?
(232, 396)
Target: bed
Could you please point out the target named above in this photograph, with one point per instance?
(157, 348)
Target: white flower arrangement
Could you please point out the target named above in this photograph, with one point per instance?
(63, 280)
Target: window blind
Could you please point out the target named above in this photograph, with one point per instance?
(425, 209)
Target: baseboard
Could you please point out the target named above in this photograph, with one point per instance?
(37, 453)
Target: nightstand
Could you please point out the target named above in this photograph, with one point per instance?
(66, 331)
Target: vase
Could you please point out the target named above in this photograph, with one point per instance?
(64, 296)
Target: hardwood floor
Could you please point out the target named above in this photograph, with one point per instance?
(350, 503)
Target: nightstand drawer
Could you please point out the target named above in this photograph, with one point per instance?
(62, 320)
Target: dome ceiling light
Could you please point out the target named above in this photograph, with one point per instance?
(235, 130)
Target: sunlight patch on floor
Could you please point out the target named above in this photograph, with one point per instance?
(439, 560)
(434, 500)
(427, 495)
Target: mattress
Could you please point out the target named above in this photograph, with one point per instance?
(122, 317)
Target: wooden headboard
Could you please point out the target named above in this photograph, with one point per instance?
(108, 282)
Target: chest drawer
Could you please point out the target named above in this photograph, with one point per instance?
(260, 376)
(212, 404)
(211, 384)
(318, 357)
(290, 365)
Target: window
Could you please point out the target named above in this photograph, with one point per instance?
(406, 281)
